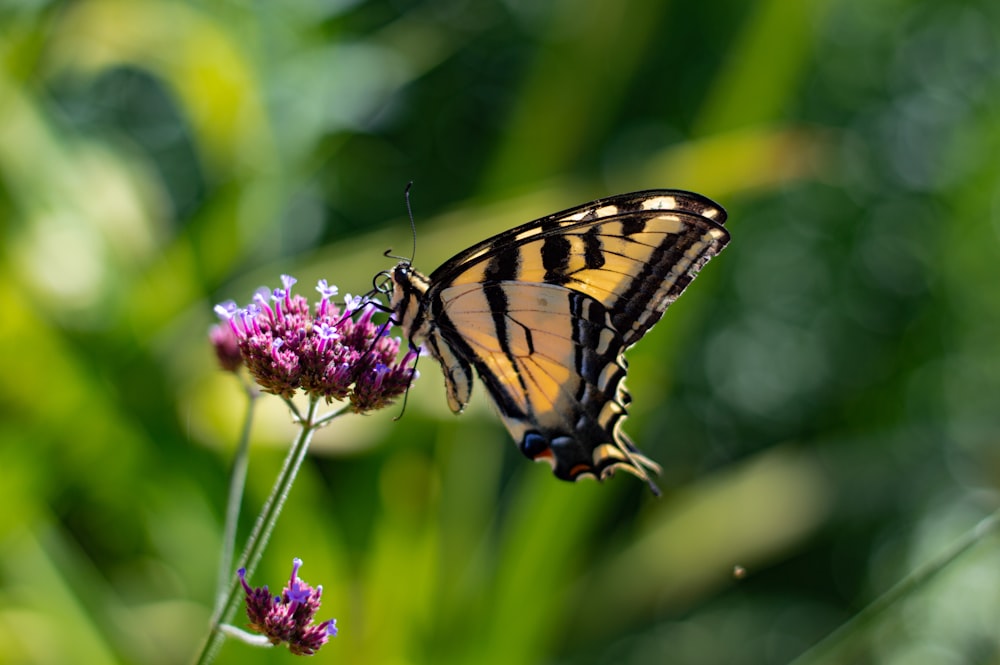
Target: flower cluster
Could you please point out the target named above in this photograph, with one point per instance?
(327, 352)
(288, 618)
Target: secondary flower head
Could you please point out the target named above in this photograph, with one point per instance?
(288, 618)
(324, 350)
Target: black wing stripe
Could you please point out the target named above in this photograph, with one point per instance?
(555, 258)
(503, 266)
(593, 248)
(633, 225)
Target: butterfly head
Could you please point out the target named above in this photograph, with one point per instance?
(403, 288)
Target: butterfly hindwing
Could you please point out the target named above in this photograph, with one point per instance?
(545, 311)
(554, 368)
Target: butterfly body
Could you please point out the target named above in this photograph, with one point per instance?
(544, 312)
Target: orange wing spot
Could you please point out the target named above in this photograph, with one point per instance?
(544, 455)
(580, 469)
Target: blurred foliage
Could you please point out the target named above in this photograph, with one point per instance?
(823, 400)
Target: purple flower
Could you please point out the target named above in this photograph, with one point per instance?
(323, 350)
(288, 618)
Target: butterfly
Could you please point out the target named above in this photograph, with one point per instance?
(545, 311)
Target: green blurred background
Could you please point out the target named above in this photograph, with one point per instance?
(823, 400)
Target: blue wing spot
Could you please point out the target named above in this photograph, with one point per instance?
(534, 444)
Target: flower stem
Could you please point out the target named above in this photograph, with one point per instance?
(296, 416)
(837, 641)
(325, 419)
(245, 637)
(237, 482)
(260, 535)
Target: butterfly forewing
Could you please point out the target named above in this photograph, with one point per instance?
(544, 312)
(635, 253)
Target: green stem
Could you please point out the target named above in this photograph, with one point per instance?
(296, 416)
(839, 639)
(326, 418)
(237, 483)
(260, 535)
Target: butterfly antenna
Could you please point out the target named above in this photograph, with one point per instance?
(406, 394)
(409, 211)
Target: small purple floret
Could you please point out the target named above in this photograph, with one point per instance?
(226, 310)
(288, 618)
(325, 290)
